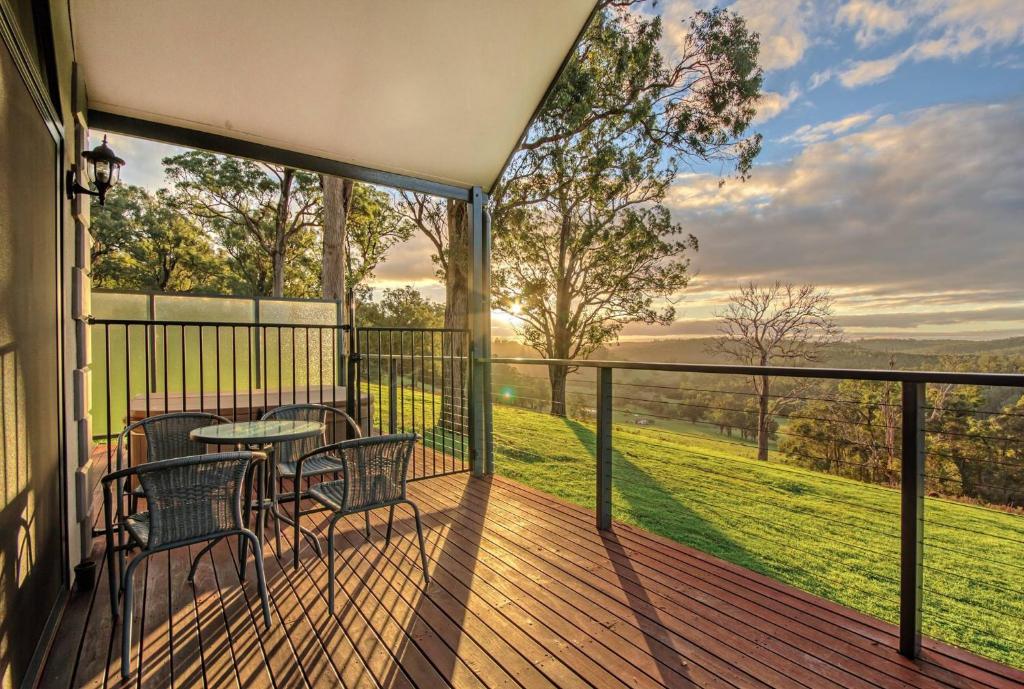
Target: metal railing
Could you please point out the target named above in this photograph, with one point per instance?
(241, 370)
(420, 377)
(902, 428)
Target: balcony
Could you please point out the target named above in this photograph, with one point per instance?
(529, 589)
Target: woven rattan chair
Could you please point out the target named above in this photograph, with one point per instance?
(374, 472)
(189, 500)
(316, 463)
(167, 437)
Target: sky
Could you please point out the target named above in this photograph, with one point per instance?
(892, 172)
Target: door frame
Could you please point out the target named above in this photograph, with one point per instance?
(43, 92)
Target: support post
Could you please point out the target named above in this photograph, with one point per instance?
(479, 335)
(912, 518)
(604, 449)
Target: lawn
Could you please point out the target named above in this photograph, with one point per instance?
(833, 537)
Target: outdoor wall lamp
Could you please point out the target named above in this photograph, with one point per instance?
(102, 170)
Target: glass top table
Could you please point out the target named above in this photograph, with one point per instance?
(264, 434)
(257, 432)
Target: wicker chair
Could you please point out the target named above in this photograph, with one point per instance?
(317, 462)
(189, 500)
(374, 476)
(167, 436)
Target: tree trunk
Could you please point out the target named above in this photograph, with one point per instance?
(557, 376)
(337, 204)
(280, 229)
(762, 420)
(454, 370)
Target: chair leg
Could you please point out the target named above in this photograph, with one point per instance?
(297, 536)
(126, 626)
(419, 534)
(195, 562)
(261, 577)
(113, 575)
(391, 522)
(366, 526)
(330, 562)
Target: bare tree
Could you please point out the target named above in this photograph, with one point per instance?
(782, 324)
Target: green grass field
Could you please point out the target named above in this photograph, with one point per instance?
(834, 537)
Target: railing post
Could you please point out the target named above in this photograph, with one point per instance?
(392, 395)
(604, 448)
(912, 518)
(480, 330)
(151, 338)
(257, 363)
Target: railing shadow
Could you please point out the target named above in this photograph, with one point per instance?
(650, 504)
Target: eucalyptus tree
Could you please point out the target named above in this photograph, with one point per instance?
(584, 244)
(142, 241)
(263, 215)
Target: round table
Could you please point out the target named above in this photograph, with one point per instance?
(257, 433)
(262, 435)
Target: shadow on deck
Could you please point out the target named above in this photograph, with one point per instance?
(525, 592)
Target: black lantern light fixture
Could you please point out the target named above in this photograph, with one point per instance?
(102, 170)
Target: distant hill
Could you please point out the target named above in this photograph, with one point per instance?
(873, 353)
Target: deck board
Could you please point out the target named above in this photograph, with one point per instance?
(525, 593)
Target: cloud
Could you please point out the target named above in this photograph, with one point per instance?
(772, 103)
(809, 134)
(945, 29)
(784, 26)
(871, 71)
(872, 20)
(917, 212)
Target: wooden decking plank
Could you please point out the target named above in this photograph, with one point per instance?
(878, 636)
(696, 590)
(409, 551)
(813, 613)
(444, 643)
(458, 625)
(186, 647)
(243, 627)
(355, 601)
(153, 670)
(700, 647)
(354, 634)
(645, 643)
(537, 625)
(318, 661)
(525, 594)
(219, 666)
(67, 649)
(845, 676)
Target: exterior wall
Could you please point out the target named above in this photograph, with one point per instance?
(70, 91)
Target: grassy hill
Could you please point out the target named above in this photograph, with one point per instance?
(834, 537)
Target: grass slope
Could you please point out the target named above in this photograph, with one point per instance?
(833, 537)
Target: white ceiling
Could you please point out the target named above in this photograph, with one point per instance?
(437, 89)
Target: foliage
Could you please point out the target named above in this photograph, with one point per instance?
(375, 225)
(264, 217)
(142, 241)
(583, 243)
(402, 307)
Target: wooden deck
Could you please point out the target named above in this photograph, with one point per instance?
(525, 593)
